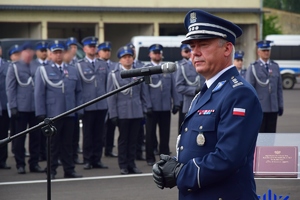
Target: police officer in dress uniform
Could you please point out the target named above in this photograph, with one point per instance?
(188, 83)
(141, 136)
(186, 54)
(218, 136)
(264, 76)
(93, 73)
(57, 90)
(163, 95)
(72, 47)
(104, 54)
(41, 59)
(238, 62)
(126, 110)
(4, 117)
(20, 89)
(14, 53)
(70, 58)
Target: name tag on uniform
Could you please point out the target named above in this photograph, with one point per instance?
(205, 112)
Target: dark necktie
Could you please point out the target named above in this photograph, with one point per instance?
(267, 67)
(43, 63)
(60, 69)
(93, 64)
(203, 90)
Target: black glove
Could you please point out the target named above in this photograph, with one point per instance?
(175, 109)
(170, 169)
(280, 111)
(14, 113)
(149, 112)
(157, 174)
(41, 118)
(114, 120)
(197, 90)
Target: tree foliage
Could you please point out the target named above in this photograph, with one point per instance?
(286, 5)
(270, 25)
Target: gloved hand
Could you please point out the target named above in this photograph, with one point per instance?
(170, 169)
(14, 113)
(41, 118)
(157, 174)
(149, 112)
(175, 109)
(115, 120)
(280, 111)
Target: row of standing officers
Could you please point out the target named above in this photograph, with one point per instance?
(45, 88)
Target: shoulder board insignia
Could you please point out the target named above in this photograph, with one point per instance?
(219, 86)
(81, 60)
(236, 82)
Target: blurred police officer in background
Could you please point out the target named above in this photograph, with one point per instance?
(93, 73)
(264, 76)
(126, 111)
(188, 83)
(20, 95)
(186, 54)
(104, 54)
(41, 59)
(163, 96)
(141, 136)
(72, 48)
(218, 136)
(57, 90)
(238, 62)
(14, 54)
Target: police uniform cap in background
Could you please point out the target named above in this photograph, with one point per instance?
(125, 50)
(41, 45)
(239, 55)
(90, 40)
(71, 41)
(57, 45)
(104, 46)
(27, 45)
(185, 47)
(130, 45)
(156, 47)
(203, 25)
(264, 44)
(14, 49)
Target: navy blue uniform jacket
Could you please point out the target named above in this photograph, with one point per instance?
(228, 115)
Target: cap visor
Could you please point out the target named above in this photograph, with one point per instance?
(189, 39)
(57, 49)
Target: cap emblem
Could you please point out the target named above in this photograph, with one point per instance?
(193, 17)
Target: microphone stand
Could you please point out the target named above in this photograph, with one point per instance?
(49, 129)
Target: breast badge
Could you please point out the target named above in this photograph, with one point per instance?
(200, 139)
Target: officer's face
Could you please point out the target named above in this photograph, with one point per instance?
(104, 54)
(238, 63)
(264, 54)
(27, 55)
(90, 50)
(156, 56)
(73, 49)
(210, 56)
(68, 56)
(185, 53)
(42, 54)
(57, 56)
(126, 61)
(15, 57)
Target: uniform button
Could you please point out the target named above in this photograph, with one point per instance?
(189, 190)
(181, 148)
(220, 198)
(186, 129)
(201, 127)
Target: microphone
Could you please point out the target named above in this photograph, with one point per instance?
(168, 67)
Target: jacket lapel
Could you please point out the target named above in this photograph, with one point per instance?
(215, 87)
